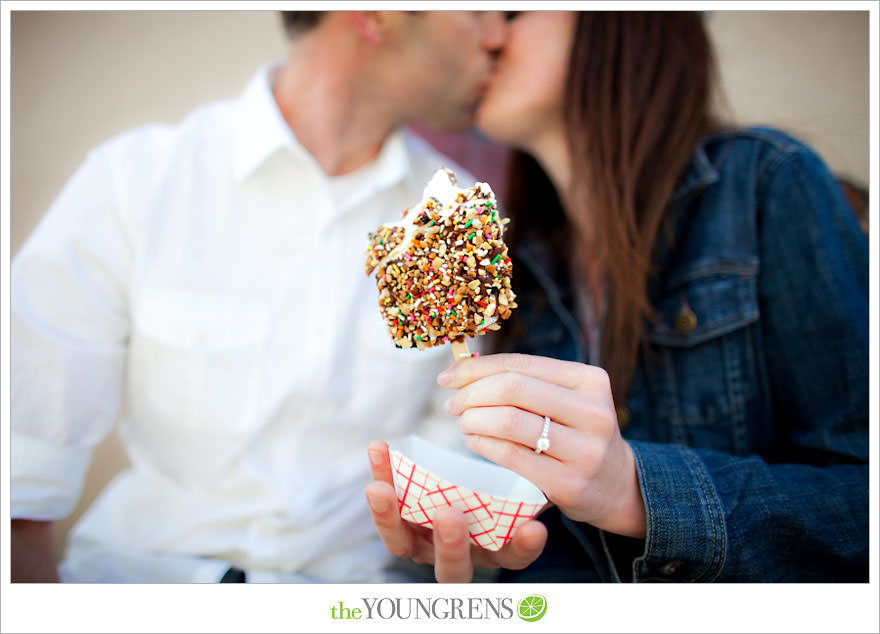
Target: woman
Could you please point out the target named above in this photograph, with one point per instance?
(693, 305)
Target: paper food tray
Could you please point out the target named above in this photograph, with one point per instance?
(494, 500)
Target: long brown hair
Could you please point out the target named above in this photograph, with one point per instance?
(637, 101)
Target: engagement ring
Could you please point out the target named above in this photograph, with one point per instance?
(543, 443)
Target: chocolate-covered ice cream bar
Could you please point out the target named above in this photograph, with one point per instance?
(443, 271)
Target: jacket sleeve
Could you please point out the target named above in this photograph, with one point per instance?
(804, 515)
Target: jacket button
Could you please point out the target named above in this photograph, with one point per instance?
(669, 568)
(685, 321)
(623, 416)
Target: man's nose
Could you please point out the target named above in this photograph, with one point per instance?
(496, 31)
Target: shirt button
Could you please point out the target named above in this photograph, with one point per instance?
(685, 321)
(623, 416)
(669, 568)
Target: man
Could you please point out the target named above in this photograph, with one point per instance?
(208, 276)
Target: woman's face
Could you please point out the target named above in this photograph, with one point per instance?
(524, 101)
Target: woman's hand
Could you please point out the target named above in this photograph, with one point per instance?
(447, 546)
(589, 470)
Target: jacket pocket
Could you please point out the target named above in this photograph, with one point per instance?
(709, 300)
(702, 354)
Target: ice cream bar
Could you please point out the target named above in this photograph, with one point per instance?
(443, 271)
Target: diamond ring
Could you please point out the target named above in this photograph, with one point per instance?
(543, 443)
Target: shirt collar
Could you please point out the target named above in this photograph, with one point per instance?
(392, 163)
(386, 170)
(262, 130)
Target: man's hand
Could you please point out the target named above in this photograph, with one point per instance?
(447, 546)
(32, 558)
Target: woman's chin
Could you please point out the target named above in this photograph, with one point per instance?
(502, 125)
(489, 127)
(499, 137)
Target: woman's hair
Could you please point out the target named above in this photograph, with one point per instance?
(637, 100)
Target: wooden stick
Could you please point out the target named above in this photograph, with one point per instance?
(460, 349)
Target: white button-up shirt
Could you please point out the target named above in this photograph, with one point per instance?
(203, 284)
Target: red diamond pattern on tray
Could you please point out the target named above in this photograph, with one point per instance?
(492, 520)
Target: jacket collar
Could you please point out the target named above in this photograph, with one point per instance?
(700, 173)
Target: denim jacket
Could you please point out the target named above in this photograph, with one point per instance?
(748, 414)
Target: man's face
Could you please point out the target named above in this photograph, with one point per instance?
(442, 63)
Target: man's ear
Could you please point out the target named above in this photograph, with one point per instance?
(374, 26)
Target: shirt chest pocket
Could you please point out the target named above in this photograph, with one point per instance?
(196, 360)
(701, 360)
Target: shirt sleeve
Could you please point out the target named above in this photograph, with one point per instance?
(47, 479)
(69, 328)
(803, 516)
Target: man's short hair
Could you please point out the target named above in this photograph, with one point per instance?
(297, 22)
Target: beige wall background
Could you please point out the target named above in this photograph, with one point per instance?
(79, 78)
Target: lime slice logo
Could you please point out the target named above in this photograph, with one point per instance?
(532, 608)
